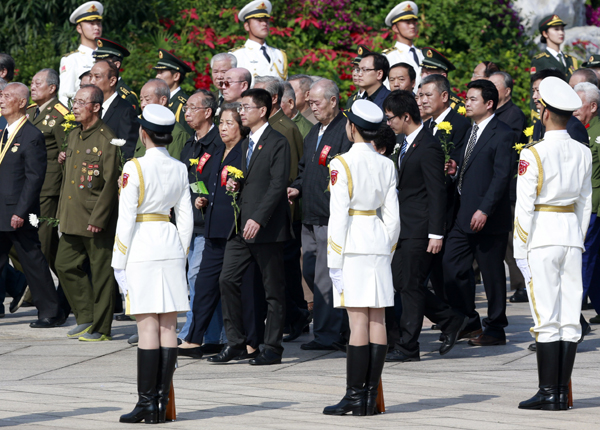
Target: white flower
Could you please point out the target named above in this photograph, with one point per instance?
(118, 142)
(33, 220)
(598, 139)
(396, 148)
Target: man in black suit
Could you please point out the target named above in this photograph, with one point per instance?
(482, 175)
(264, 225)
(325, 140)
(22, 172)
(117, 112)
(422, 197)
(435, 102)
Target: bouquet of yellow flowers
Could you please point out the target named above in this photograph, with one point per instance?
(447, 147)
(234, 173)
(68, 125)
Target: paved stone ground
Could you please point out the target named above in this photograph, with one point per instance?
(48, 381)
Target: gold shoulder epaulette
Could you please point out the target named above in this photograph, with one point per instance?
(31, 105)
(182, 99)
(385, 51)
(124, 91)
(541, 55)
(529, 145)
(456, 98)
(72, 52)
(237, 49)
(61, 109)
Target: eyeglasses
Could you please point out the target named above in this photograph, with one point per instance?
(227, 84)
(192, 109)
(82, 103)
(360, 70)
(389, 119)
(246, 108)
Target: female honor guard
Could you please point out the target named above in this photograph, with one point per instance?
(359, 253)
(552, 213)
(149, 258)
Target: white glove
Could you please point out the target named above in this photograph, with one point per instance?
(523, 266)
(337, 279)
(121, 278)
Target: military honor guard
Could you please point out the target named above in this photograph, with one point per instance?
(404, 22)
(172, 70)
(434, 63)
(554, 203)
(113, 52)
(88, 21)
(359, 253)
(149, 257)
(593, 63)
(255, 55)
(552, 30)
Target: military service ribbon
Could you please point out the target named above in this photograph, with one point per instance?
(7, 145)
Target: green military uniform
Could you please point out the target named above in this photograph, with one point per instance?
(168, 61)
(546, 60)
(180, 136)
(89, 196)
(112, 51)
(594, 134)
(434, 60)
(288, 128)
(303, 124)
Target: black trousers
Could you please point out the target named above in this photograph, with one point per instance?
(208, 294)
(410, 267)
(294, 293)
(488, 250)
(35, 266)
(269, 258)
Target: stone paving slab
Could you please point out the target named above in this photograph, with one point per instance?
(48, 381)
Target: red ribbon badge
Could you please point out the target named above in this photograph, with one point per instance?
(202, 162)
(125, 178)
(323, 156)
(523, 167)
(334, 174)
(224, 176)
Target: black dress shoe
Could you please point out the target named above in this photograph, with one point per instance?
(585, 329)
(266, 358)
(48, 322)
(123, 317)
(190, 352)
(520, 296)
(212, 348)
(226, 355)
(248, 355)
(451, 338)
(397, 355)
(340, 346)
(298, 326)
(532, 347)
(316, 346)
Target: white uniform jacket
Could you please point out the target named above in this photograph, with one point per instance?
(354, 227)
(554, 194)
(251, 57)
(152, 185)
(400, 53)
(72, 66)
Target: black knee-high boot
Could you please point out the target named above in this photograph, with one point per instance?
(568, 350)
(547, 362)
(357, 364)
(146, 408)
(376, 363)
(168, 360)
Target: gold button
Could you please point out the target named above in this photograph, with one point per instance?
(74, 167)
(101, 129)
(72, 182)
(69, 197)
(78, 151)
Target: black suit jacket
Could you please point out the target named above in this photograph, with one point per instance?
(193, 149)
(486, 179)
(575, 129)
(422, 189)
(122, 120)
(22, 174)
(263, 196)
(513, 116)
(313, 174)
(219, 216)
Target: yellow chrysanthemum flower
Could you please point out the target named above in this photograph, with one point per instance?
(69, 117)
(519, 146)
(194, 161)
(528, 131)
(462, 110)
(446, 126)
(234, 172)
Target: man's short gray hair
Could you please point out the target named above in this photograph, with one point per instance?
(304, 81)
(591, 91)
(508, 80)
(288, 92)
(224, 56)
(272, 85)
(51, 78)
(161, 88)
(441, 83)
(22, 89)
(330, 89)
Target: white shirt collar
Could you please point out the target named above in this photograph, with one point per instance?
(254, 45)
(258, 133)
(45, 105)
(554, 53)
(480, 127)
(443, 115)
(403, 46)
(411, 137)
(175, 91)
(85, 49)
(107, 103)
(13, 126)
(557, 134)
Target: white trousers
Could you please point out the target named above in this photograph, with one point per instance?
(555, 293)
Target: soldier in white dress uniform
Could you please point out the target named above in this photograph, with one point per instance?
(403, 20)
(359, 253)
(88, 19)
(256, 56)
(552, 213)
(149, 258)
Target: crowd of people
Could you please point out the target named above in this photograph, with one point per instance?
(284, 217)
